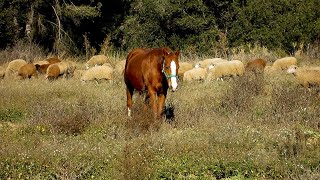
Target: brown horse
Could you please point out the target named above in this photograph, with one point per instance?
(153, 71)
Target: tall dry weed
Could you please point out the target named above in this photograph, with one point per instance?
(22, 50)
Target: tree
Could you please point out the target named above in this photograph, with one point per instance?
(179, 24)
(275, 23)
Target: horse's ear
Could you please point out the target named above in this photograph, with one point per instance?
(165, 51)
(177, 53)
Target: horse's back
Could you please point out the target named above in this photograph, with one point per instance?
(140, 62)
(133, 72)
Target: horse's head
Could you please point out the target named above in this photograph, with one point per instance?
(170, 67)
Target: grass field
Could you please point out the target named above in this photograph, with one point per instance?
(248, 127)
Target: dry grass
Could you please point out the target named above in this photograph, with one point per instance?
(264, 127)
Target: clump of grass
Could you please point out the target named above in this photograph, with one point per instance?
(295, 104)
(22, 50)
(12, 115)
(239, 98)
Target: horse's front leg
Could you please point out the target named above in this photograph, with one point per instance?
(152, 97)
(146, 103)
(161, 102)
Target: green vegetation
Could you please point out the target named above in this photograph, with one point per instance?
(207, 27)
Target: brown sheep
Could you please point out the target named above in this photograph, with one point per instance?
(41, 62)
(42, 69)
(62, 68)
(27, 71)
(53, 60)
(256, 66)
(53, 72)
(42, 66)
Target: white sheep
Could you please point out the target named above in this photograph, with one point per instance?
(107, 64)
(78, 73)
(13, 67)
(306, 76)
(119, 67)
(195, 74)
(207, 62)
(2, 72)
(184, 67)
(96, 60)
(225, 69)
(284, 63)
(98, 73)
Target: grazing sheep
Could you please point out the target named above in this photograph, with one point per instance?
(119, 67)
(284, 63)
(96, 60)
(78, 73)
(13, 67)
(107, 64)
(27, 71)
(98, 73)
(41, 62)
(195, 74)
(53, 60)
(42, 66)
(306, 76)
(42, 69)
(53, 72)
(256, 66)
(65, 69)
(184, 67)
(2, 72)
(207, 62)
(225, 69)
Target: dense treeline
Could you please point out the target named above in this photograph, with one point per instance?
(206, 26)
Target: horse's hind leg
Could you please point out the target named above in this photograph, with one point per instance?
(129, 100)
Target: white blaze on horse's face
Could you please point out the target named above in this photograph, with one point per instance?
(174, 83)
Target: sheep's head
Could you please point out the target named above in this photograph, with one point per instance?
(87, 66)
(292, 69)
(210, 66)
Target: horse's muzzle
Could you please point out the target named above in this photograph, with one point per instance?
(174, 84)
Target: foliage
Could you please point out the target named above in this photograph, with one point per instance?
(195, 26)
(167, 24)
(275, 24)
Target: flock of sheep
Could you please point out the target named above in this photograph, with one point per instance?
(217, 69)
(99, 67)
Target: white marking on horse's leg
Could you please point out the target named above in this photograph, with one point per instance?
(129, 112)
(174, 82)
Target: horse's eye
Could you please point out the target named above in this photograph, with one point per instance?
(167, 67)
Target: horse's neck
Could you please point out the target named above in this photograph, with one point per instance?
(157, 62)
